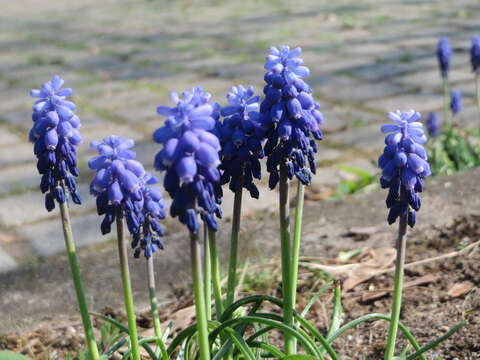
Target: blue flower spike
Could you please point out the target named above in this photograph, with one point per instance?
(120, 180)
(475, 54)
(444, 54)
(455, 102)
(242, 137)
(55, 137)
(434, 125)
(290, 116)
(404, 164)
(190, 157)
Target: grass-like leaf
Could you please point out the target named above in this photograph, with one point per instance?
(431, 345)
(124, 329)
(337, 310)
(10, 355)
(314, 298)
(369, 317)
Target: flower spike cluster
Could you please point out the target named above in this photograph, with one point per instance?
(120, 180)
(149, 211)
(290, 116)
(455, 102)
(444, 53)
(190, 157)
(241, 135)
(434, 125)
(55, 136)
(475, 54)
(404, 164)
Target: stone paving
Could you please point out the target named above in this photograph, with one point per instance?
(122, 58)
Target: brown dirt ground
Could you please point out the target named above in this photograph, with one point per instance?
(428, 310)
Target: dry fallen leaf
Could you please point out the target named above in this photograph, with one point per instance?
(182, 318)
(376, 260)
(7, 238)
(459, 289)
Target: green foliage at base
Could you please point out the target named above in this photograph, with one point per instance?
(361, 180)
(454, 150)
(9, 355)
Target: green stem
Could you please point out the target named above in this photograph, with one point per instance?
(207, 271)
(397, 291)
(217, 287)
(154, 308)
(77, 281)
(286, 257)
(199, 297)
(297, 236)
(233, 257)
(477, 90)
(126, 284)
(446, 101)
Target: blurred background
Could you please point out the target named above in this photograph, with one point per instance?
(123, 57)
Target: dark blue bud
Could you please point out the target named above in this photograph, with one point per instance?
(49, 202)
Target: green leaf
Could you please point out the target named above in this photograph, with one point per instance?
(315, 298)
(298, 357)
(10, 355)
(362, 174)
(337, 310)
(344, 256)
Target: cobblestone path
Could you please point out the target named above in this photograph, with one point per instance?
(366, 57)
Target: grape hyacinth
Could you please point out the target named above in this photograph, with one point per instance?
(149, 212)
(121, 180)
(190, 158)
(290, 116)
(404, 164)
(455, 102)
(242, 137)
(475, 54)
(55, 136)
(444, 53)
(434, 125)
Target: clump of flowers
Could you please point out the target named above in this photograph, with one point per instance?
(434, 125)
(455, 102)
(404, 164)
(241, 136)
(120, 180)
(55, 137)
(290, 116)
(444, 53)
(190, 157)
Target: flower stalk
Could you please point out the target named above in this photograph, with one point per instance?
(233, 256)
(77, 281)
(199, 293)
(401, 245)
(215, 271)
(207, 273)
(154, 308)
(446, 101)
(126, 284)
(477, 90)
(297, 236)
(286, 247)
